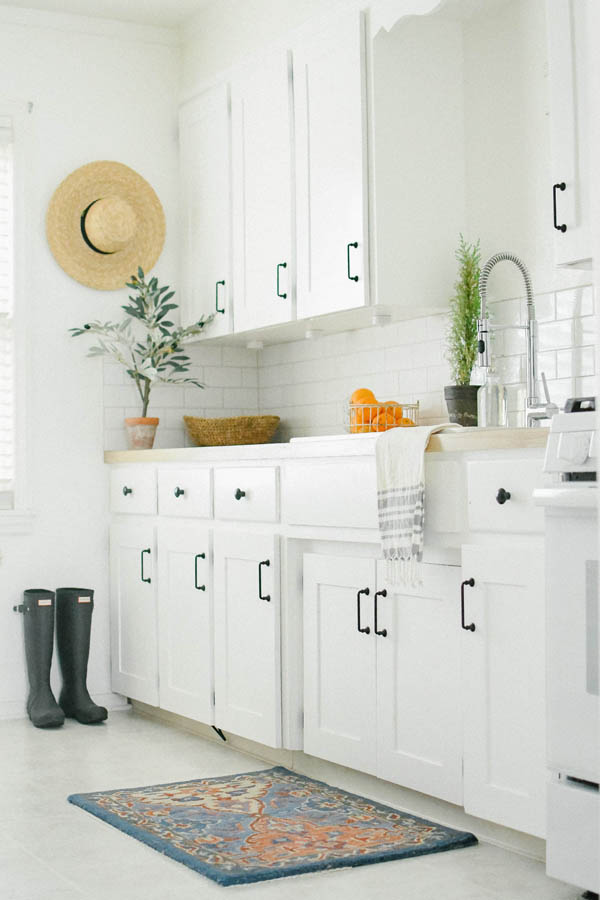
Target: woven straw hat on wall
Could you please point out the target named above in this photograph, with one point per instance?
(104, 220)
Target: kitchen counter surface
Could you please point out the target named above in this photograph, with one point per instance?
(465, 441)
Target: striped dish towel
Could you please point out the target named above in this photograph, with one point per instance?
(401, 498)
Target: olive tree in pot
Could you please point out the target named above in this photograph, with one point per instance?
(154, 356)
(461, 397)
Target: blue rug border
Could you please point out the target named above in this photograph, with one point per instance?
(456, 839)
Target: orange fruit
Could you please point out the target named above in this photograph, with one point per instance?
(383, 421)
(363, 395)
(405, 422)
(360, 419)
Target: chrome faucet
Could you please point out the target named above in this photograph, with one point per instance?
(535, 410)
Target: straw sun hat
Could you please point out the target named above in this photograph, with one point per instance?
(104, 220)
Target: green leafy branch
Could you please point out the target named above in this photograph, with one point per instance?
(464, 312)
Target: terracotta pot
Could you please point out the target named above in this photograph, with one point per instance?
(140, 433)
(461, 400)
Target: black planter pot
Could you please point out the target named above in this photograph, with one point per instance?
(461, 400)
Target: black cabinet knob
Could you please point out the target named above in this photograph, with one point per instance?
(179, 492)
(127, 490)
(239, 494)
(502, 496)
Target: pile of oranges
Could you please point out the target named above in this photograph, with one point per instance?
(368, 414)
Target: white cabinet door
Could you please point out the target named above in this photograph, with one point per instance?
(418, 684)
(262, 190)
(247, 638)
(205, 142)
(340, 720)
(503, 687)
(569, 23)
(133, 641)
(185, 620)
(331, 165)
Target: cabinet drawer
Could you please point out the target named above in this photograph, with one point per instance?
(334, 492)
(490, 481)
(248, 494)
(184, 492)
(133, 490)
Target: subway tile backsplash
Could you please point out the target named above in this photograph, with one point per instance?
(308, 382)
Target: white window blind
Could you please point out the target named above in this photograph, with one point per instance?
(7, 350)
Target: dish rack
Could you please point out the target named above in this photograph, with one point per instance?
(362, 418)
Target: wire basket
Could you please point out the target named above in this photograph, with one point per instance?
(363, 418)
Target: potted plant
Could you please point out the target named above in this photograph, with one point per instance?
(461, 397)
(154, 357)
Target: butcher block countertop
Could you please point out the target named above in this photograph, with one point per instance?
(466, 440)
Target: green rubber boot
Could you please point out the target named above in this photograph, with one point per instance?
(38, 626)
(74, 607)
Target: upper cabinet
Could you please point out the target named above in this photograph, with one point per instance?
(331, 167)
(205, 141)
(569, 23)
(262, 193)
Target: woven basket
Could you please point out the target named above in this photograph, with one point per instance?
(235, 430)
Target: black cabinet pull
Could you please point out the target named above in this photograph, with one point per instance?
(366, 592)
(217, 307)
(267, 597)
(383, 632)
(355, 245)
(239, 494)
(502, 496)
(281, 266)
(127, 490)
(146, 580)
(199, 587)
(560, 186)
(470, 582)
(179, 492)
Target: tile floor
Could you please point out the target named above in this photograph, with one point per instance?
(50, 849)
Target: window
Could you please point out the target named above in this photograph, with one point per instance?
(7, 354)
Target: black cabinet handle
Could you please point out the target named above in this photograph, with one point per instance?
(146, 580)
(282, 265)
(179, 492)
(355, 245)
(217, 307)
(502, 496)
(267, 597)
(366, 592)
(127, 490)
(383, 632)
(199, 587)
(560, 186)
(470, 582)
(239, 494)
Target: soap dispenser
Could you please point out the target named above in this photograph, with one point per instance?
(491, 402)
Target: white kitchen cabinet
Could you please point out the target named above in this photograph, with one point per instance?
(247, 635)
(185, 620)
(340, 715)
(569, 46)
(262, 192)
(503, 688)
(205, 154)
(419, 727)
(331, 166)
(386, 712)
(133, 618)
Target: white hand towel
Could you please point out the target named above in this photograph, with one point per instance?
(401, 499)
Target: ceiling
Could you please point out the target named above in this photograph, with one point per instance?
(165, 13)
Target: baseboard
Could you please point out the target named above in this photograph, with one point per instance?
(359, 783)
(15, 709)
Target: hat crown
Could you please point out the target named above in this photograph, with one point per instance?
(110, 224)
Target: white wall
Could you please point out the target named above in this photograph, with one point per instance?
(110, 93)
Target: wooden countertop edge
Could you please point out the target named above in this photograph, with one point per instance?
(466, 441)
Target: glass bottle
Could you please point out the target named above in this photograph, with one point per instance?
(491, 402)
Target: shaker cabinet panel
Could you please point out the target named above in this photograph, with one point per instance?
(331, 167)
(205, 153)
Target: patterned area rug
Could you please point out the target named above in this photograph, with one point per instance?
(268, 824)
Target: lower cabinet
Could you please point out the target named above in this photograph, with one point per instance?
(133, 616)
(247, 635)
(382, 673)
(185, 627)
(503, 685)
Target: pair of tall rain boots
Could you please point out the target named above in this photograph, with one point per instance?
(74, 608)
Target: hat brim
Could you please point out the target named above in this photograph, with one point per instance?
(82, 187)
